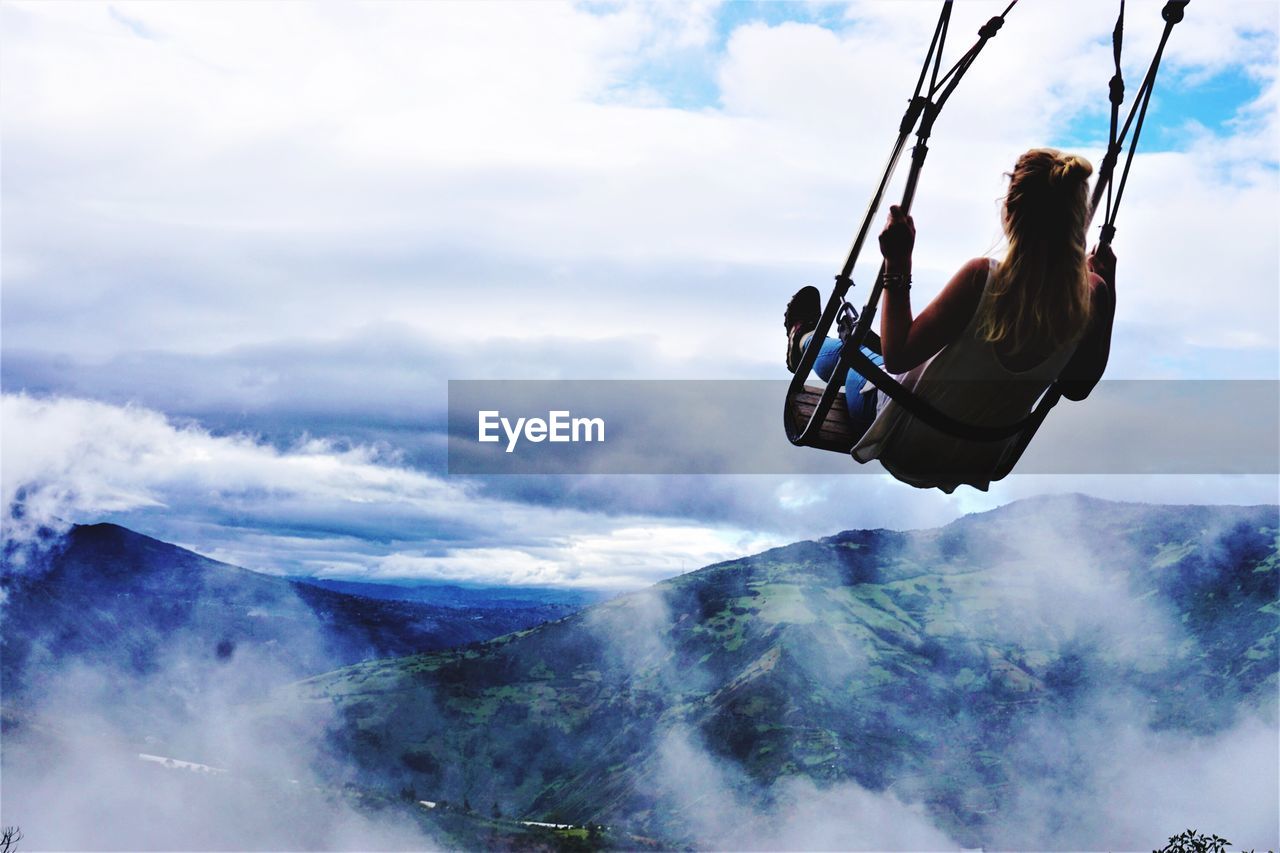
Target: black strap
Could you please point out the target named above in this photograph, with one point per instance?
(941, 421)
(939, 93)
(1172, 14)
(1116, 96)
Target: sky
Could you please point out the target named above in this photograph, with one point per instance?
(245, 246)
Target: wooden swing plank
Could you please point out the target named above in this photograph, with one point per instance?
(836, 433)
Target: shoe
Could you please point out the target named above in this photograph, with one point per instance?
(803, 312)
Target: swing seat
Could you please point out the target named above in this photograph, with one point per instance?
(836, 433)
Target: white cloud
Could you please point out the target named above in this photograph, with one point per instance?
(237, 499)
(504, 182)
(67, 457)
(626, 556)
(74, 779)
(316, 508)
(723, 809)
(1131, 786)
(253, 173)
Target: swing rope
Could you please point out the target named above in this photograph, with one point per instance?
(1172, 13)
(922, 110)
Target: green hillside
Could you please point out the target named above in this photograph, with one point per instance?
(905, 662)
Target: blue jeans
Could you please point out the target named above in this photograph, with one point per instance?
(862, 407)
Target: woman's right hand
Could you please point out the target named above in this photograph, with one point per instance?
(898, 237)
(1102, 261)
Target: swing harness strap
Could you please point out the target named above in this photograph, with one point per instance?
(922, 111)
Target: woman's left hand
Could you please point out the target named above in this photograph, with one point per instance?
(1102, 260)
(898, 237)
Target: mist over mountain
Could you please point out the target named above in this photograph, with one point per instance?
(131, 670)
(1062, 672)
(114, 600)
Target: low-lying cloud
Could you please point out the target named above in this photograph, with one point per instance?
(319, 507)
(722, 809)
(1089, 768)
(190, 751)
(302, 503)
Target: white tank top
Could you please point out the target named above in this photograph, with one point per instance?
(966, 381)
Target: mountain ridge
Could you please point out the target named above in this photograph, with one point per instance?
(911, 659)
(912, 675)
(455, 595)
(104, 592)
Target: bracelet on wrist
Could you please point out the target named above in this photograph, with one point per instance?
(897, 281)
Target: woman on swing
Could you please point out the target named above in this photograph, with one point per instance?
(992, 341)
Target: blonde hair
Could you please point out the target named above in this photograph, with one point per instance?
(1040, 291)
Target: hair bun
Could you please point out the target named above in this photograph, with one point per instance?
(1070, 170)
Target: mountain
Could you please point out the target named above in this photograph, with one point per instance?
(1035, 648)
(122, 603)
(452, 595)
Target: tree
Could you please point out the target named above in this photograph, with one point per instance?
(1191, 841)
(9, 838)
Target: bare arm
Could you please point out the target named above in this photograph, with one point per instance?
(1089, 362)
(908, 341)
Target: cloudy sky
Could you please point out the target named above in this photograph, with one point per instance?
(246, 245)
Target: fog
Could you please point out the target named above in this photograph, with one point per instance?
(722, 809)
(1089, 766)
(74, 735)
(1093, 766)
